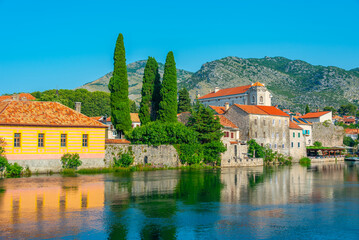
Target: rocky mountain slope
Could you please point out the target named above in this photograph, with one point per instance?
(135, 75)
(293, 83)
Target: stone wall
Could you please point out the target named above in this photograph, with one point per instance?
(164, 155)
(329, 135)
(54, 165)
(236, 156)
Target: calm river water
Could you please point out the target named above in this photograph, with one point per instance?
(320, 202)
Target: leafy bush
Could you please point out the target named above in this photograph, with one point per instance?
(71, 161)
(3, 163)
(123, 160)
(348, 141)
(253, 146)
(317, 144)
(13, 170)
(158, 133)
(212, 152)
(304, 161)
(191, 153)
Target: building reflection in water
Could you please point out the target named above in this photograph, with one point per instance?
(48, 207)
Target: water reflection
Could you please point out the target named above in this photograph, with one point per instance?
(224, 203)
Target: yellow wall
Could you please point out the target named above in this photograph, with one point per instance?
(29, 141)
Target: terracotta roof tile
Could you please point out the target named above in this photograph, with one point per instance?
(134, 117)
(226, 122)
(31, 113)
(219, 110)
(293, 125)
(351, 131)
(262, 110)
(21, 96)
(302, 122)
(258, 84)
(315, 114)
(227, 92)
(117, 141)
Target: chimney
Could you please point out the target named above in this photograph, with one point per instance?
(291, 118)
(216, 89)
(78, 107)
(226, 106)
(15, 97)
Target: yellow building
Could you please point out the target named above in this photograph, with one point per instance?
(37, 134)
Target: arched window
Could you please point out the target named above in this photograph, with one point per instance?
(253, 99)
(261, 99)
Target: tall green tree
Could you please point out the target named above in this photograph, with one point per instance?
(168, 105)
(149, 77)
(156, 97)
(184, 102)
(307, 110)
(118, 86)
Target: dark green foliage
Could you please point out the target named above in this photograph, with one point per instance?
(209, 132)
(3, 163)
(348, 109)
(133, 106)
(348, 141)
(168, 105)
(157, 133)
(93, 103)
(71, 161)
(307, 110)
(212, 152)
(184, 102)
(317, 144)
(13, 170)
(253, 146)
(191, 153)
(118, 86)
(330, 108)
(124, 160)
(150, 77)
(156, 98)
(205, 124)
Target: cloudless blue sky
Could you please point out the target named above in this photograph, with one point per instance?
(64, 44)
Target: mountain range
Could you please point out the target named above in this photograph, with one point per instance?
(293, 83)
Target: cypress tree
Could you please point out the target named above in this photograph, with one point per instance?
(118, 86)
(184, 102)
(168, 105)
(156, 97)
(150, 76)
(307, 110)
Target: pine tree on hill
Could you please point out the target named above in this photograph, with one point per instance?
(307, 110)
(118, 86)
(184, 102)
(150, 76)
(168, 105)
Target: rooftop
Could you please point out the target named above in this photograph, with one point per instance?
(293, 125)
(262, 110)
(20, 96)
(300, 120)
(219, 110)
(225, 122)
(315, 114)
(227, 92)
(47, 114)
(351, 131)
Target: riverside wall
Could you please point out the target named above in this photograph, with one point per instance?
(328, 134)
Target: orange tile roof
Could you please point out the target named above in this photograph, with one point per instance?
(292, 125)
(117, 141)
(134, 117)
(227, 92)
(315, 114)
(219, 110)
(49, 114)
(234, 142)
(262, 110)
(258, 84)
(96, 118)
(351, 131)
(225, 122)
(21, 96)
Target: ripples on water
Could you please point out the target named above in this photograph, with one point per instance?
(321, 202)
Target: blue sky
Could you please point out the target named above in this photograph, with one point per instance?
(64, 44)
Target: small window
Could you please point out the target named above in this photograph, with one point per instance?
(273, 122)
(264, 134)
(299, 135)
(291, 144)
(294, 135)
(283, 146)
(264, 122)
(286, 122)
(41, 139)
(17, 140)
(279, 122)
(232, 135)
(283, 134)
(85, 140)
(270, 145)
(235, 150)
(63, 140)
(253, 99)
(272, 135)
(255, 121)
(299, 144)
(275, 146)
(261, 99)
(256, 135)
(277, 135)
